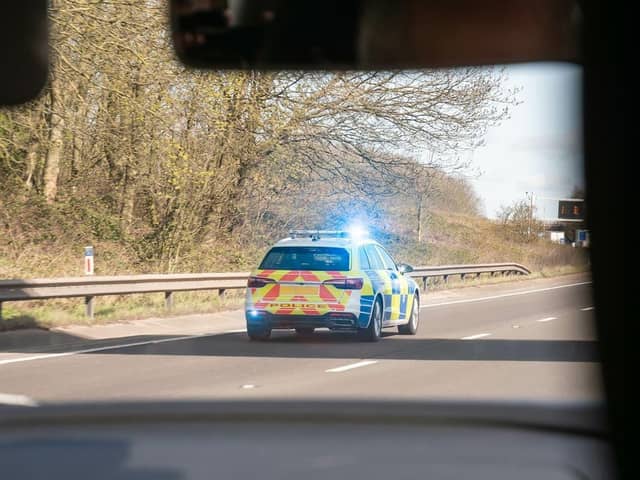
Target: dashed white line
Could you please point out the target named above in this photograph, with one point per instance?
(237, 330)
(19, 400)
(547, 319)
(473, 337)
(503, 295)
(586, 309)
(248, 386)
(101, 349)
(351, 366)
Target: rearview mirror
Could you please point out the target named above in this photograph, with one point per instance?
(405, 268)
(371, 34)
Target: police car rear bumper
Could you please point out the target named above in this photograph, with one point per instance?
(332, 320)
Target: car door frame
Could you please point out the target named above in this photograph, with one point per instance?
(399, 297)
(379, 278)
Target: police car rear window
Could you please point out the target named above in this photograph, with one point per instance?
(306, 258)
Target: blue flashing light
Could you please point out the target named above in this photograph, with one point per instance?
(357, 232)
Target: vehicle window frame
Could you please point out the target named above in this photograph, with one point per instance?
(374, 256)
(384, 255)
(363, 253)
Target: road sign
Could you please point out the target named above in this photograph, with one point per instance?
(88, 260)
(573, 209)
(582, 238)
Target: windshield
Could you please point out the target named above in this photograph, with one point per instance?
(139, 198)
(306, 258)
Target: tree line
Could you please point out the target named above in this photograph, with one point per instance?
(171, 158)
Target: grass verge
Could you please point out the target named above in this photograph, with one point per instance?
(114, 309)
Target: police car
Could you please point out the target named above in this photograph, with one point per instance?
(330, 279)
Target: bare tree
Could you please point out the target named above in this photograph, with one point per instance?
(519, 222)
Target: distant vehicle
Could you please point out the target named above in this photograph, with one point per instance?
(331, 279)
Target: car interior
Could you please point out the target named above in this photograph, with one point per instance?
(342, 438)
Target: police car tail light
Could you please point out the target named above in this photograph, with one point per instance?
(258, 282)
(346, 283)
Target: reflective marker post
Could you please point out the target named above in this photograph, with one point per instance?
(88, 270)
(88, 260)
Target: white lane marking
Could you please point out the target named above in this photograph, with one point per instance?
(473, 337)
(351, 366)
(547, 319)
(101, 349)
(237, 330)
(503, 295)
(19, 400)
(248, 386)
(587, 309)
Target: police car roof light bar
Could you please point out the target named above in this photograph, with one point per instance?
(317, 234)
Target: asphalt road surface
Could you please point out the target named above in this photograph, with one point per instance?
(528, 340)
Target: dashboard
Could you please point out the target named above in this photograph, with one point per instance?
(293, 440)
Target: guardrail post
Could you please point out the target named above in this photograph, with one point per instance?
(221, 291)
(168, 300)
(88, 306)
(462, 275)
(425, 284)
(445, 278)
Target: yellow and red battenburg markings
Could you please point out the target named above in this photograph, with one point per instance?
(267, 300)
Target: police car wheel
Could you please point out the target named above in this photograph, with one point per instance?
(305, 330)
(411, 328)
(373, 332)
(259, 334)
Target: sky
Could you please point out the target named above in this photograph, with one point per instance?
(539, 148)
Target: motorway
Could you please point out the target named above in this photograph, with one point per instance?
(525, 340)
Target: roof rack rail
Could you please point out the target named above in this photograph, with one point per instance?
(317, 234)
